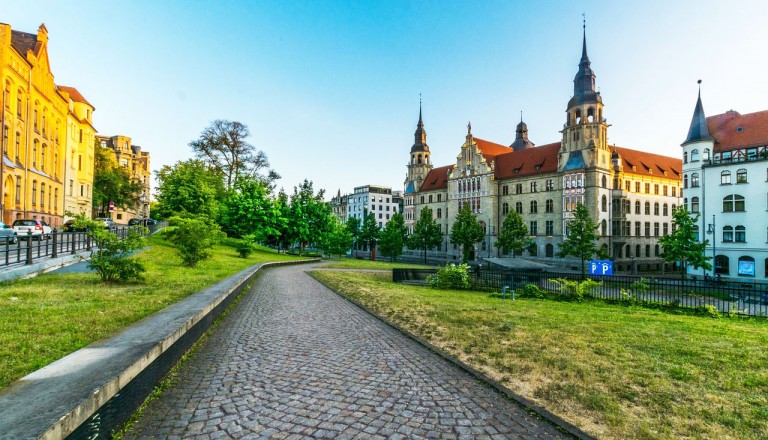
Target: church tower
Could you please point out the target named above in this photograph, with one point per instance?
(420, 163)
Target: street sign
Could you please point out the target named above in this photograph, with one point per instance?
(111, 206)
(600, 267)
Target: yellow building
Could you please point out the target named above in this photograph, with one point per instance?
(136, 162)
(38, 120)
(79, 159)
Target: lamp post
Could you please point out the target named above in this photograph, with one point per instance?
(712, 231)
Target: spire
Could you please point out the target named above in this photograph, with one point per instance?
(521, 136)
(584, 81)
(698, 130)
(421, 124)
(420, 136)
(584, 41)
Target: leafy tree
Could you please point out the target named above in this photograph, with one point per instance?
(193, 237)
(338, 240)
(249, 210)
(112, 183)
(279, 235)
(513, 235)
(582, 237)
(353, 227)
(393, 237)
(309, 216)
(370, 233)
(466, 231)
(190, 187)
(682, 246)
(223, 146)
(426, 233)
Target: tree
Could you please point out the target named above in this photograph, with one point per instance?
(190, 187)
(249, 210)
(281, 234)
(580, 242)
(193, 237)
(682, 246)
(338, 240)
(466, 232)
(112, 183)
(353, 227)
(370, 233)
(513, 235)
(309, 216)
(223, 146)
(426, 233)
(393, 237)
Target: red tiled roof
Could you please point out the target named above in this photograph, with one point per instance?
(74, 94)
(490, 149)
(724, 128)
(436, 179)
(537, 160)
(647, 164)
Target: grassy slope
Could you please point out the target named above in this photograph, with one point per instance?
(45, 318)
(615, 371)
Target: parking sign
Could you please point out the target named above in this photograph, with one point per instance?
(600, 267)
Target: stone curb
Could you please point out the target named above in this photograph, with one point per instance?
(529, 406)
(60, 398)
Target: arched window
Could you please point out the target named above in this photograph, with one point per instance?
(741, 176)
(733, 203)
(706, 154)
(685, 181)
(534, 207)
(694, 204)
(18, 189)
(722, 265)
(656, 208)
(685, 157)
(647, 208)
(637, 207)
(656, 250)
(578, 116)
(694, 180)
(549, 251)
(604, 228)
(550, 205)
(746, 266)
(665, 210)
(727, 234)
(725, 177)
(519, 207)
(604, 182)
(741, 234)
(19, 104)
(604, 203)
(637, 251)
(34, 115)
(34, 192)
(694, 155)
(647, 250)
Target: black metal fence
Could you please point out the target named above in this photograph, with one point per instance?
(743, 297)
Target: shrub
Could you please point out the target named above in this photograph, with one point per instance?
(193, 237)
(710, 310)
(529, 291)
(574, 290)
(245, 246)
(450, 276)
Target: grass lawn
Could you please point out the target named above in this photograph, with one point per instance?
(42, 319)
(615, 371)
(352, 263)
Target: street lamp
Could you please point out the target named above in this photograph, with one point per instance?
(712, 231)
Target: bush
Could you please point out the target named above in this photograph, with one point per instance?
(193, 237)
(574, 290)
(529, 291)
(450, 276)
(245, 246)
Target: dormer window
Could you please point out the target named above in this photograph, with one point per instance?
(739, 129)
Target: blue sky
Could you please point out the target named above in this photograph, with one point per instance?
(330, 90)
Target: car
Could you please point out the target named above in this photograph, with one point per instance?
(107, 222)
(138, 221)
(7, 234)
(69, 226)
(39, 228)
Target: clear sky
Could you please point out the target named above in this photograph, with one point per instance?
(330, 90)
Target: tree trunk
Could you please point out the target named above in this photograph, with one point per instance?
(425, 255)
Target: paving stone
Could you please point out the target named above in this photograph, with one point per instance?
(294, 360)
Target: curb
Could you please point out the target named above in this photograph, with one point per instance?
(526, 404)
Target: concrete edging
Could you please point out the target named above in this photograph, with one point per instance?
(531, 407)
(55, 401)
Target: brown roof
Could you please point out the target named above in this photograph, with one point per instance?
(75, 94)
(537, 160)
(725, 129)
(436, 179)
(22, 42)
(490, 149)
(647, 164)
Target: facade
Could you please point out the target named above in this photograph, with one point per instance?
(78, 156)
(725, 170)
(339, 206)
(136, 161)
(374, 199)
(631, 193)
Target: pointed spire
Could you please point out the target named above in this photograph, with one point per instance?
(469, 127)
(521, 136)
(420, 136)
(421, 124)
(698, 130)
(584, 41)
(584, 81)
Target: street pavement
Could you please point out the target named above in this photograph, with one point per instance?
(294, 360)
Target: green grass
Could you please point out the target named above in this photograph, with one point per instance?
(615, 371)
(43, 319)
(351, 263)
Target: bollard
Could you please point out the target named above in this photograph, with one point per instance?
(504, 290)
(29, 247)
(54, 254)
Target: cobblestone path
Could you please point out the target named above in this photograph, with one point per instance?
(293, 360)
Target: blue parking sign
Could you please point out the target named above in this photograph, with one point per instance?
(600, 267)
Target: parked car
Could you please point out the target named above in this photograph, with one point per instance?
(69, 226)
(7, 234)
(107, 222)
(39, 228)
(138, 221)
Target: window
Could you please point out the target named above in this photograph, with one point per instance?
(550, 227)
(647, 208)
(637, 231)
(34, 192)
(604, 182)
(422, 199)
(519, 188)
(647, 250)
(694, 180)
(674, 191)
(533, 186)
(656, 250)
(439, 198)
(626, 228)
(534, 228)
(647, 188)
(685, 181)
(550, 206)
(42, 195)
(694, 155)
(604, 203)
(656, 189)
(725, 178)
(550, 185)
(519, 207)
(504, 190)
(505, 208)
(628, 185)
(637, 187)
(439, 213)
(746, 266)
(18, 189)
(733, 203)
(740, 235)
(727, 234)
(549, 250)
(647, 229)
(18, 103)
(534, 207)
(694, 204)
(655, 209)
(741, 176)
(430, 198)
(665, 228)
(665, 210)
(685, 157)
(722, 265)
(656, 229)
(637, 207)
(696, 232)
(665, 190)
